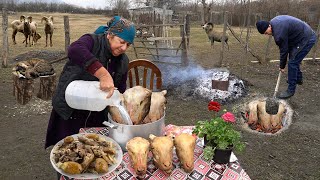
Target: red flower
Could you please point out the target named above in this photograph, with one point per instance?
(228, 117)
(214, 106)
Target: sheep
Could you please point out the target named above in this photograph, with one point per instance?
(33, 31)
(11, 12)
(17, 26)
(144, 32)
(214, 35)
(26, 31)
(48, 28)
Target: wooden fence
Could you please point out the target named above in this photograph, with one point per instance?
(159, 34)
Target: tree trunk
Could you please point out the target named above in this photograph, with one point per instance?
(47, 87)
(22, 89)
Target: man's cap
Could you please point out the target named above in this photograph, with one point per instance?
(262, 26)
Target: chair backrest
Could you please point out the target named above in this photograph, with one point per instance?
(140, 67)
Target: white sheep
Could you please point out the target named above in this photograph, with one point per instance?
(48, 28)
(214, 35)
(17, 26)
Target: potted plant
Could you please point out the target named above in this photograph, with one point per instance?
(219, 135)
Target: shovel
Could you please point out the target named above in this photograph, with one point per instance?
(272, 104)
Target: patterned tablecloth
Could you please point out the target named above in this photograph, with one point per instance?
(203, 170)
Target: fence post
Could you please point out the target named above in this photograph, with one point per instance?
(5, 49)
(184, 58)
(66, 32)
(225, 18)
(187, 26)
(248, 26)
(316, 45)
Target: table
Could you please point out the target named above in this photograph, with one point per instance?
(203, 170)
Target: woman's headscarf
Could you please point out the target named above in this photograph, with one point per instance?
(120, 27)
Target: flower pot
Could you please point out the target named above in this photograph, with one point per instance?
(222, 156)
(207, 142)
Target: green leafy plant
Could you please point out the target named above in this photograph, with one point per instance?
(218, 132)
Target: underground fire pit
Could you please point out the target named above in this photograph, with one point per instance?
(220, 81)
(255, 119)
(220, 84)
(194, 82)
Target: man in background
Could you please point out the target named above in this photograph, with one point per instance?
(294, 38)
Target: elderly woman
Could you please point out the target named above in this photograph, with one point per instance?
(93, 57)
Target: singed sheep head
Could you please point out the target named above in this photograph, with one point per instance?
(138, 149)
(162, 150)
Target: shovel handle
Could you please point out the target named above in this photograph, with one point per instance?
(277, 85)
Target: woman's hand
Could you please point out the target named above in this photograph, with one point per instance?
(106, 84)
(106, 81)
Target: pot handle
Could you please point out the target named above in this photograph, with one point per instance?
(112, 126)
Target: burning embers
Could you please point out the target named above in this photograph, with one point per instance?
(256, 119)
(217, 84)
(194, 82)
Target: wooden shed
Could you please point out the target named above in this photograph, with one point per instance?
(151, 15)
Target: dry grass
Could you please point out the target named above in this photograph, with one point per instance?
(79, 25)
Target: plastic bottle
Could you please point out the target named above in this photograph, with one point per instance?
(86, 95)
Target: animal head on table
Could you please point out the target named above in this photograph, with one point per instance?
(185, 145)
(162, 150)
(138, 149)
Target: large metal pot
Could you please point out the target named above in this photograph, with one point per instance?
(122, 133)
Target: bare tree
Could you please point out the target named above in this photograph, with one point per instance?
(120, 6)
(205, 12)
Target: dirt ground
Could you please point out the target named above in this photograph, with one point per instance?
(294, 154)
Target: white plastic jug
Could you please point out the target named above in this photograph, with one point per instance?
(86, 95)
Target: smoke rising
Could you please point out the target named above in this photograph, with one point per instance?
(194, 81)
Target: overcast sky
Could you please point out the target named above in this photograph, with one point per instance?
(83, 3)
(88, 3)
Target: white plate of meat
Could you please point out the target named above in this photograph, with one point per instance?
(86, 156)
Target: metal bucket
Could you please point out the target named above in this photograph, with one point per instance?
(122, 133)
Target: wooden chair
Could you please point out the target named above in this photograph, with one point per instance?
(136, 66)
